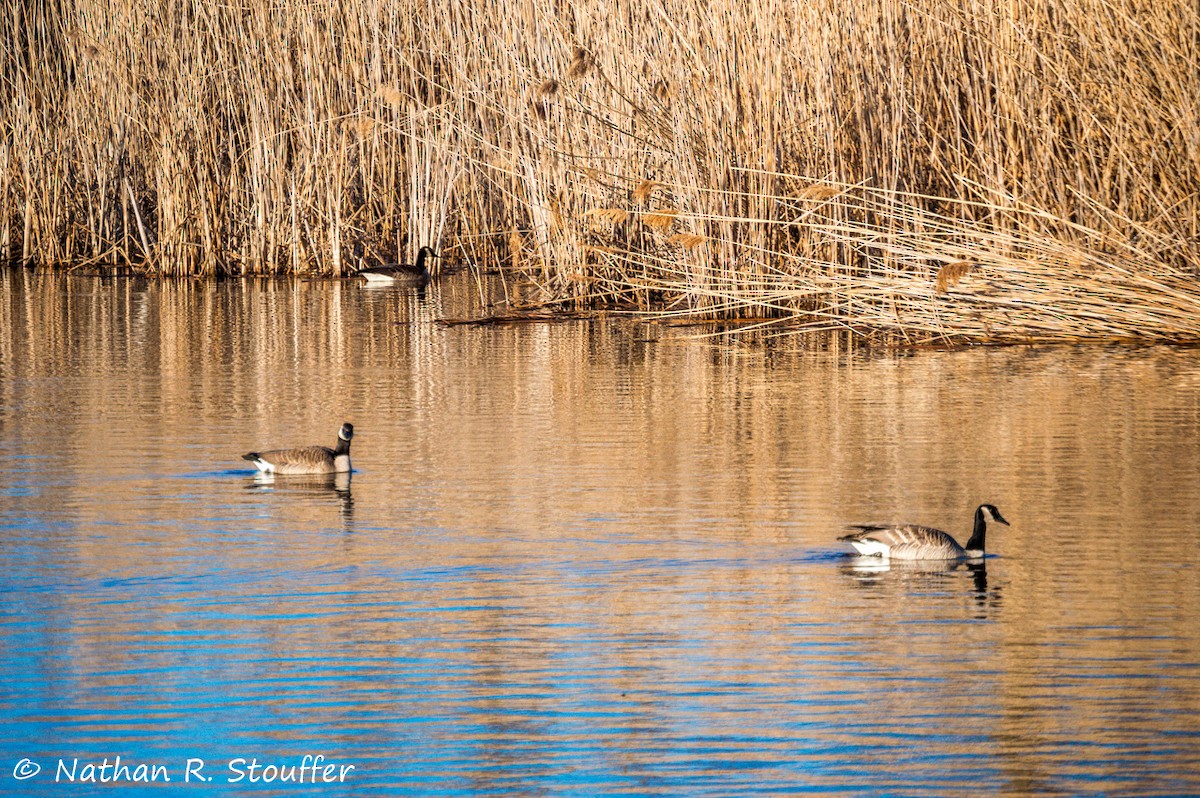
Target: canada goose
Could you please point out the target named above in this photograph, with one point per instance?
(401, 273)
(307, 459)
(912, 542)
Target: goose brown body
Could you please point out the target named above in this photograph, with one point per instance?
(915, 542)
(307, 459)
(401, 273)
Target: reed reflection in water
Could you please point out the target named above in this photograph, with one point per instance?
(574, 561)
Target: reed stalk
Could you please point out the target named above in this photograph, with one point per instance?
(964, 170)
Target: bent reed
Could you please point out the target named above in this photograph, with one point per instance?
(973, 170)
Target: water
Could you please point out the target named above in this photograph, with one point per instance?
(579, 558)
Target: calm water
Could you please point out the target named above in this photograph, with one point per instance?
(580, 558)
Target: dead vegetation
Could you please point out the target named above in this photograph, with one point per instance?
(973, 170)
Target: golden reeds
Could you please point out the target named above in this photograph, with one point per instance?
(843, 160)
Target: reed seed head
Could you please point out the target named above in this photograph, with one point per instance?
(818, 192)
(581, 62)
(604, 219)
(688, 241)
(644, 190)
(949, 275)
(660, 219)
(390, 95)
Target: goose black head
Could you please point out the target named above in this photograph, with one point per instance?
(346, 432)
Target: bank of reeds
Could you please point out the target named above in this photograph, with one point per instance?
(983, 169)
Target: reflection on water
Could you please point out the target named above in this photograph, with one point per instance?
(897, 579)
(314, 486)
(580, 557)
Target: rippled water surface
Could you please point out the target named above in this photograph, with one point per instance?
(579, 558)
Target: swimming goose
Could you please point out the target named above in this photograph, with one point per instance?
(912, 542)
(307, 459)
(401, 273)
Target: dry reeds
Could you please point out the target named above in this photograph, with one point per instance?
(982, 169)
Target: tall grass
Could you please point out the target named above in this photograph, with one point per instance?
(937, 168)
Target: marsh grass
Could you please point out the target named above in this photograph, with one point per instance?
(974, 169)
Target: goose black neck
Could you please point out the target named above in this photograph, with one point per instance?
(976, 541)
(421, 257)
(343, 447)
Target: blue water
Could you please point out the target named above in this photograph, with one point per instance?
(574, 562)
